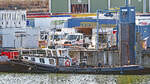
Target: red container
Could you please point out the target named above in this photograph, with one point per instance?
(10, 54)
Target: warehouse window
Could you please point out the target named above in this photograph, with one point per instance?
(10, 16)
(2, 16)
(23, 17)
(5, 16)
(26, 57)
(79, 8)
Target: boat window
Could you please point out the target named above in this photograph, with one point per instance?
(42, 60)
(54, 53)
(72, 37)
(51, 61)
(33, 59)
(26, 57)
(21, 57)
(81, 37)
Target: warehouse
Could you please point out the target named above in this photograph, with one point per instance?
(90, 6)
(71, 6)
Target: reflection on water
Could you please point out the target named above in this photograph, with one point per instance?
(20, 78)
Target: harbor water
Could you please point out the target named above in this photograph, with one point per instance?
(50, 78)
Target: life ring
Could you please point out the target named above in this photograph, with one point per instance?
(67, 63)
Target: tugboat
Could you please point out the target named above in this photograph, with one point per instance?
(10, 62)
(48, 63)
(61, 62)
(58, 61)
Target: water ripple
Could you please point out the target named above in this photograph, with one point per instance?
(20, 78)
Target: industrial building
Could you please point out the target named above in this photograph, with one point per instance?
(90, 6)
(71, 6)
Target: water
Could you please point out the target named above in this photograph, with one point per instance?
(20, 78)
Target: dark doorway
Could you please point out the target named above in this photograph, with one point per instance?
(79, 8)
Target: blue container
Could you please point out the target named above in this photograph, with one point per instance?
(76, 22)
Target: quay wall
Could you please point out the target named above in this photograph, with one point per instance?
(108, 58)
(145, 58)
(93, 58)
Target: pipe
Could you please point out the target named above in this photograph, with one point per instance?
(149, 5)
(109, 4)
(89, 6)
(127, 3)
(69, 6)
(97, 37)
(50, 6)
(144, 6)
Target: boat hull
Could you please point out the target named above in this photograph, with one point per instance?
(12, 67)
(29, 67)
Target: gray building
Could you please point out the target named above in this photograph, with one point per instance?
(90, 6)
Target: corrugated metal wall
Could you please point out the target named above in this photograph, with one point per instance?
(98, 4)
(62, 5)
(59, 6)
(138, 4)
(147, 5)
(117, 3)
